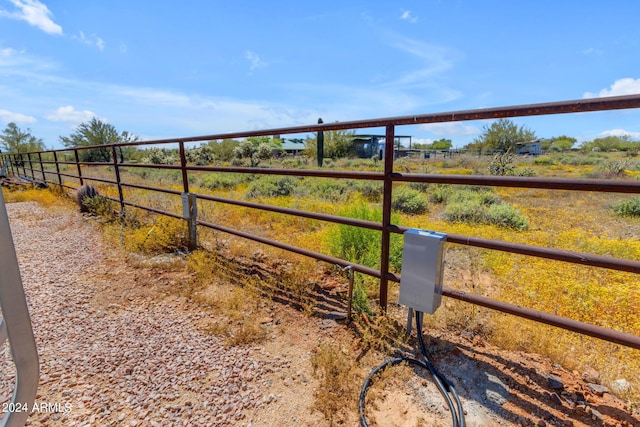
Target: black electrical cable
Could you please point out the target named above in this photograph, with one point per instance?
(444, 386)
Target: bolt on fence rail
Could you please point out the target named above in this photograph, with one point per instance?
(18, 162)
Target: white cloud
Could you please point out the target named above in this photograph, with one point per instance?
(123, 47)
(450, 129)
(93, 40)
(626, 86)
(19, 118)
(69, 114)
(593, 51)
(621, 132)
(254, 60)
(407, 16)
(34, 13)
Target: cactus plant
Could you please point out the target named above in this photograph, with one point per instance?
(85, 192)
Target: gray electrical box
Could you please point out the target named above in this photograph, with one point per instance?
(422, 267)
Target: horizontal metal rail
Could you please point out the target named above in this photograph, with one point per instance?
(296, 212)
(605, 334)
(311, 254)
(578, 184)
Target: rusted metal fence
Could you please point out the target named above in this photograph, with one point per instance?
(32, 165)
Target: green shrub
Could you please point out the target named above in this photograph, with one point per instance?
(325, 189)
(271, 186)
(409, 201)
(370, 190)
(484, 208)
(224, 181)
(439, 193)
(628, 207)
(100, 206)
(469, 211)
(544, 160)
(363, 245)
(505, 215)
(419, 186)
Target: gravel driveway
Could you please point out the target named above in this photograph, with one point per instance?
(146, 365)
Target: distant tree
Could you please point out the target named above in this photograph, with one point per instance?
(257, 148)
(223, 150)
(610, 143)
(160, 156)
(442, 144)
(15, 140)
(96, 132)
(501, 136)
(562, 143)
(337, 143)
(201, 156)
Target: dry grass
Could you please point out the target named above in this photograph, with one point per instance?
(339, 379)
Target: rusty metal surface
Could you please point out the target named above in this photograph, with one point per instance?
(296, 212)
(311, 254)
(578, 184)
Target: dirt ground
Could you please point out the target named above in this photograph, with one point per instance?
(497, 387)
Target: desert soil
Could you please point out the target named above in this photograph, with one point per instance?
(118, 348)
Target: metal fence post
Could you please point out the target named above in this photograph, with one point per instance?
(30, 166)
(55, 160)
(75, 152)
(44, 177)
(24, 168)
(118, 181)
(189, 201)
(386, 215)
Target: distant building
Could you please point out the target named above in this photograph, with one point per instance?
(367, 146)
(292, 146)
(533, 148)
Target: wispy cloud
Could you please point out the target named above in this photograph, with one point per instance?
(92, 40)
(69, 114)
(435, 59)
(407, 16)
(34, 13)
(626, 86)
(451, 129)
(19, 118)
(255, 61)
(593, 51)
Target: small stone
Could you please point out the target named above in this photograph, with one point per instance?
(555, 382)
(595, 415)
(620, 386)
(590, 375)
(597, 389)
(556, 399)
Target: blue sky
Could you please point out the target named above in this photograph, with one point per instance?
(174, 69)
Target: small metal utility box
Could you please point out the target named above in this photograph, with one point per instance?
(422, 268)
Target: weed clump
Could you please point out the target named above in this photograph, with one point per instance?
(484, 208)
(338, 383)
(628, 207)
(166, 235)
(362, 245)
(271, 186)
(409, 201)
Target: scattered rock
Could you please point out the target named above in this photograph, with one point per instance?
(555, 382)
(597, 389)
(620, 386)
(590, 375)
